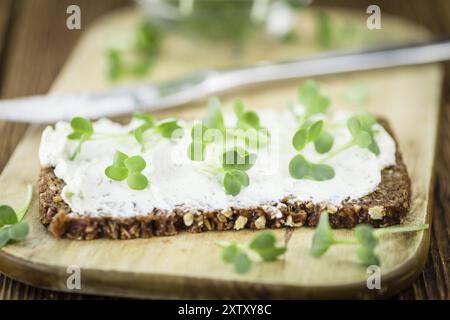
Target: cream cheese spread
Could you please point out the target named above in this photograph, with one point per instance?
(178, 182)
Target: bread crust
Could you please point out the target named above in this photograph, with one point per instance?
(387, 205)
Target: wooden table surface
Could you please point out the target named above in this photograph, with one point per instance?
(34, 43)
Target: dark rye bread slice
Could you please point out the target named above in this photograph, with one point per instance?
(386, 206)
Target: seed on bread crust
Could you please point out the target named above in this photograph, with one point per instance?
(240, 223)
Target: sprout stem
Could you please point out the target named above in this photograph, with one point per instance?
(24, 210)
(342, 148)
(399, 229)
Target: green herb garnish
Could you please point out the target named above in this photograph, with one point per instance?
(82, 131)
(164, 128)
(315, 103)
(300, 168)
(249, 122)
(365, 237)
(12, 228)
(214, 118)
(129, 168)
(167, 127)
(324, 30)
(309, 95)
(197, 148)
(234, 164)
(360, 127)
(137, 59)
(263, 245)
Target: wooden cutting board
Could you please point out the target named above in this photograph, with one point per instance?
(189, 265)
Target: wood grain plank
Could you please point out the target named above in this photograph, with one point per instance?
(37, 46)
(5, 23)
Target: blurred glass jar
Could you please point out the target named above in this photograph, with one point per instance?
(224, 19)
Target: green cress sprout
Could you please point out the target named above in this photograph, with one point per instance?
(235, 163)
(82, 131)
(197, 148)
(315, 103)
(12, 228)
(365, 237)
(263, 245)
(249, 121)
(360, 127)
(311, 132)
(309, 95)
(213, 120)
(214, 117)
(129, 168)
(164, 128)
(137, 59)
(299, 167)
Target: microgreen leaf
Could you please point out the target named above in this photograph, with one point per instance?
(229, 252)
(7, 216)
(82, 131)
(323, 237)
(363, 139)
(146, 117)
(366, 119)
(241, 177)
(364, 234)
(324, 30)
(264, 244)
(242, 263)
(299, 168)
(238, 108)
(231, 184)
(367, 256)
(11, 226)
(198, 132)
(354, 126)
(135, 164)
(250, 118)
(119, 159)
(138, 134)
(321, 172)
(214, 118)
(116, 173)
(129, 168)
(166, 127)
(19, 231)
(361, 136)
(324, 142)
(374, 148)
(196, 151)
(311, 98)
(83, 125)
(299, 139)
(4, 237)
(137, 181)
(314, 130)
(238, 159)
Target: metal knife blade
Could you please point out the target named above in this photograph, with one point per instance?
(148, 97)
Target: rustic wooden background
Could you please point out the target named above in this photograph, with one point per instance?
(34, 43)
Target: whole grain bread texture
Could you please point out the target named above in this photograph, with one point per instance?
(387, 205)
